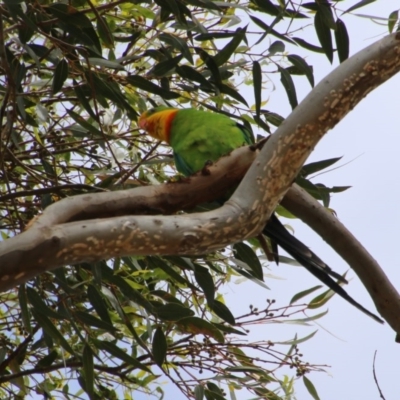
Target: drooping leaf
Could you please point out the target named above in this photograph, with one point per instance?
(342, 40)
(223, 312)
(172, 312)
(224, 55)
(317, 166)
(60, 75)
(393, 17)
(359, 5)
(304, 293)
(88, 369)
(116, 351)
(301, 64)
(245, 253)
(257, 86)
(311, 388)
(324, 35)
(205, 281)
(288, 84)
(200, 326)
(159, 347)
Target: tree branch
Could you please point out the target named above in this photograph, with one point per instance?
(48, 245)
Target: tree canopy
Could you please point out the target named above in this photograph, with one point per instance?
(117, 317)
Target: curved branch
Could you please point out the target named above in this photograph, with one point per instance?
(383, 293)
(47, 246)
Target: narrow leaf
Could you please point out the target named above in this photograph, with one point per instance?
(159, 347)
(223, 55)
(304, 293)
(342, 40)
(115, 351)
(245, 253)
(88, 369)
(205, 281)
(311, 388)
(200, 326)
(60, 75)
(301, 64)
(172, 312)
(257, 86)
(359, 5)
(324, 35)
(223, 312)
(288, 84)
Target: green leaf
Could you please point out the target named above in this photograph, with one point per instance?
(199, 392)
(359, 5)
(311, 388)
(88, 369)
(166, 296)
(40, 306)
(98, 303)
(46, 361)
(131, 293)
(324, 35)
(159, 347)
(224, 55)
(178, 43)
(205, 281)
(257, 86)
(51, 330)
(393, 17)
(276, 47)
(232, 92)
(304, 293)
(228, 329)
(191, 74)
(288, 84)
(156, 262)
(211, 65)
(268, 29)
(327, 15)
(342, 40)
(116, 351)
(245, 253)
(243, 272)
(60, 75)
(91, 320)
(197, 325)
(142, 83)
(273, 118)
(84, 123)
(317, 166)
(308, 46)
(104, 32)
(25, 315)
(223, 312)
(165, 67)
(302, 66)
(172, 312)
(81, 94)
(296, 341)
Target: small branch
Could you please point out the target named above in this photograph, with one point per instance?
(376, 380)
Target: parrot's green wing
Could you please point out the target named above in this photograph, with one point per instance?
(199, 136)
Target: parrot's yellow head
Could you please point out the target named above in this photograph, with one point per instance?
(157, 122)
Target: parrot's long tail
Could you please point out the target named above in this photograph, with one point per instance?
(280, 236)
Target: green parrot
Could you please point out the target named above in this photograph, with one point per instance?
(197, 137)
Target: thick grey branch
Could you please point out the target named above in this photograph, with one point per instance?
(47, 246)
